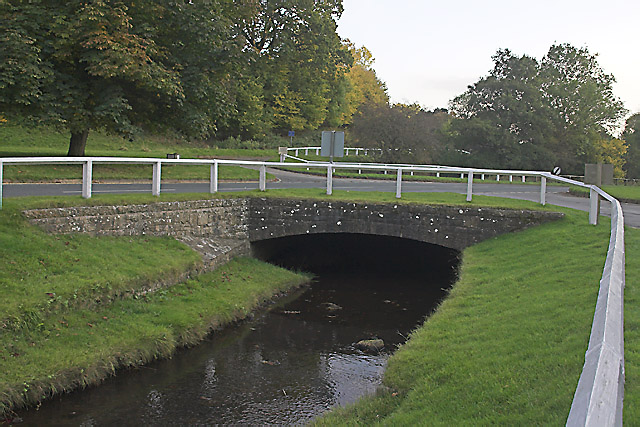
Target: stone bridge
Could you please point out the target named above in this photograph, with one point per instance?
(452, 227)
(214, 226)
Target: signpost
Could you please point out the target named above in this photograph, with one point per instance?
(292, 133)
(332, 144)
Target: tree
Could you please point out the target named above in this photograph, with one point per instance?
(294, 55)
(612, 151)
(631, 135)
(115, 66)
(365, 86)
(404, 133)
(530, 114)
(500, 119)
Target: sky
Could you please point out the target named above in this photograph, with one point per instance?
(429, 51)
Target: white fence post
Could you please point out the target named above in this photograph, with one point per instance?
(462, 175)
(155, 186)
(470, 186)
(524, 178)
(330, 180)
(594, 199)
(543, 191)
(87, 178)
(213, 177)
(510, 178)
(263, 178)
(399, 184)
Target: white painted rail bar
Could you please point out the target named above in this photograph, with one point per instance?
(213, 178)
(600, 391)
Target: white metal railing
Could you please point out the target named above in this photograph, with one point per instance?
(599, 394)
(347, 150)
(385, 167)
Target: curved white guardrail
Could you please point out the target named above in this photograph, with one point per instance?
(600, 391)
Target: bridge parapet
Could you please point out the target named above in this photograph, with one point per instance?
(261, 218)
(449, 226)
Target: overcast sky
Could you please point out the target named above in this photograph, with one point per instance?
(429, 51)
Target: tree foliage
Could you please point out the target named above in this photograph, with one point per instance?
(404, 133)
(529, 114)
(195, 68)
(631, 136)
(366, 88)
(293, 77)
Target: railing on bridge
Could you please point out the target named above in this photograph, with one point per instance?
(599, 394)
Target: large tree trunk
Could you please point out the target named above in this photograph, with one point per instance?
(77, 143)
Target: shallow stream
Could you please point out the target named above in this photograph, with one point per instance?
(286, 365)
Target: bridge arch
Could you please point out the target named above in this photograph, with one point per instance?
(451, 227)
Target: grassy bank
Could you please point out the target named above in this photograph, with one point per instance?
(507, 346)
(19, 141)
(74, 307)
(624, 193)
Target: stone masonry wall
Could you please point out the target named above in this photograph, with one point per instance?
(211, 218)
(261, 218)
(452, 227)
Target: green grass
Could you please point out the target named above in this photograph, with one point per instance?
(101, 172)
(41, 273)
(449, 199)
(76, 307)
(82, 347)
(507, 346)
(624, 193)
(20, 141)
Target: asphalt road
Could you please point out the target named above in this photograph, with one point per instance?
(556, 195)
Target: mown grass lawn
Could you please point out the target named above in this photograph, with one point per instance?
(21, 141)
(624, 193)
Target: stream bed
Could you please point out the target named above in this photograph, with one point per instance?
(287, 364)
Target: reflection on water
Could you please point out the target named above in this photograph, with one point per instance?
(285, 366)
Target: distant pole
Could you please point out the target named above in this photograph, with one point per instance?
(470, 186)
(333, 145)
(155, 185)
(213, 177)
(87, 178)
(399, 184)
(263, 178)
